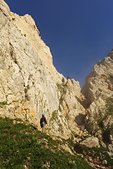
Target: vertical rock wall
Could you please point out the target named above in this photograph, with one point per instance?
(29, 82)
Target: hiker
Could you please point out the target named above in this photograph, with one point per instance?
(43, 122)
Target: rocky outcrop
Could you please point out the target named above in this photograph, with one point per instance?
(97, 90)
(99, 84)
(29, 82)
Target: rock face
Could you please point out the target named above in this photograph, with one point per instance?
(29, 82)
(98, 88)
(99, 84)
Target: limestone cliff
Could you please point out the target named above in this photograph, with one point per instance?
(99, 84)
(31, 85)
(29, 82)
(97, 90)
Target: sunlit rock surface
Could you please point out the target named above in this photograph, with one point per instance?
(29, 82)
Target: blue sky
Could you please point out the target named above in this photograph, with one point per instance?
(78, 32)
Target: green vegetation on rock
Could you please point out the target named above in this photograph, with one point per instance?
(3, 104)
(105, 121)
(21, 145)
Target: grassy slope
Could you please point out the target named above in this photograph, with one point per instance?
(22, 145)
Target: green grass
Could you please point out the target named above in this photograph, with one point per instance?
(22, 145)
(96, 152)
